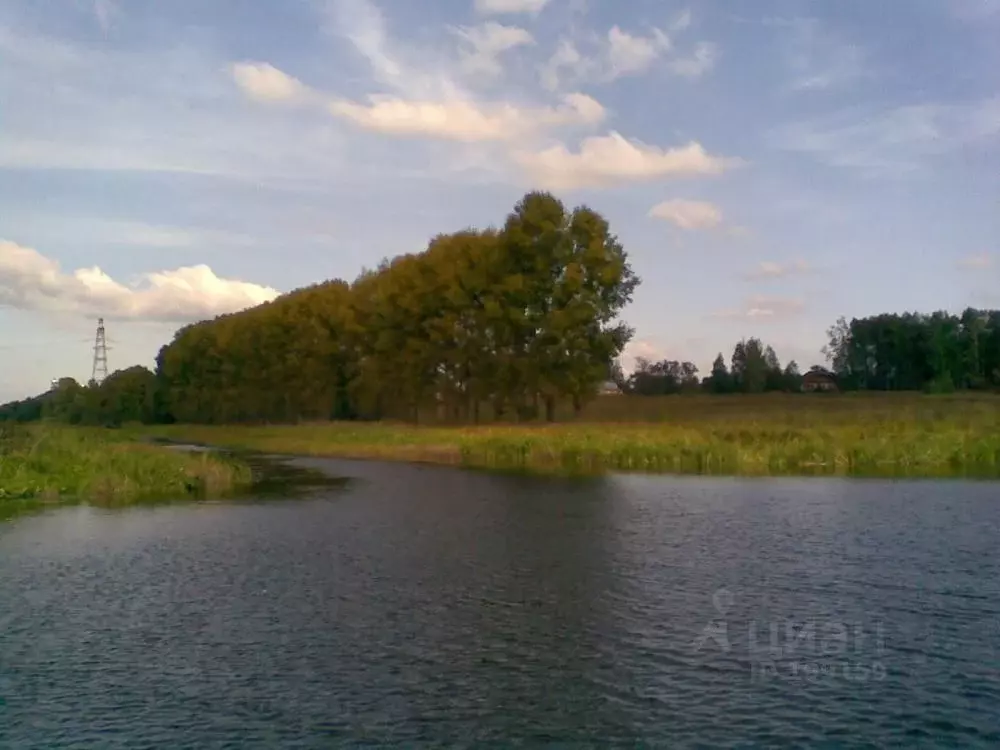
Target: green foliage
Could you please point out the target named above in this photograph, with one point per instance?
(125, 396)
(52, 462)
(662, 378)
(936, 353)
(520, 318)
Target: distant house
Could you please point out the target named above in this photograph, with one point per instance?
(819, 380)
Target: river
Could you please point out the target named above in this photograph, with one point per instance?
(424, 606)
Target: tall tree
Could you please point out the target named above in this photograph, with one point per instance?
(720, 381)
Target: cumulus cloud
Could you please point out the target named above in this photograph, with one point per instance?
(764, 308)
(770, 270)
(465, 120)
(688, 214)
(31, 281)
(980, 261)
(264, 82)
(500, 7)
(484, 44)
(614, 159)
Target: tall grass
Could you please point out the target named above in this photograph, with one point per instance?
(53, 462)
(908, 435)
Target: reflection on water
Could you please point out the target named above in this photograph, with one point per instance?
(409, 605)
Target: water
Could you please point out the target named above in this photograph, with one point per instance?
(422, 606)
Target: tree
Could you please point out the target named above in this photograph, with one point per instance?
(792, 377)
(750, 366)
(662, 378)
(518, 317)
(774, 377)
(936, 352)
(720, 381)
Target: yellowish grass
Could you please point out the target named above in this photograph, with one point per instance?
(908, 435)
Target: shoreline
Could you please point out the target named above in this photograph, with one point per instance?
(747, 451)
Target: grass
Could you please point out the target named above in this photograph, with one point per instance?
(49, 463)
(847, 435)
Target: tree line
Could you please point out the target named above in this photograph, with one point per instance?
(753, 368)
(501, 323)
(938, 352)
(507, 321)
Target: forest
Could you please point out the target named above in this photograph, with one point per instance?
(484, 325)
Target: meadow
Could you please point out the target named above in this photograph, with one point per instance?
(41, 462)
(864, 434)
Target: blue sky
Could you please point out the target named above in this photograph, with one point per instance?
(769, 166)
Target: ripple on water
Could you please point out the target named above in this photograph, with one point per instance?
(419, 605)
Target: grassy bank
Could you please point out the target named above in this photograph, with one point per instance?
(914, 435)
(42, 462)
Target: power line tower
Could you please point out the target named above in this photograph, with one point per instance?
(100, 354)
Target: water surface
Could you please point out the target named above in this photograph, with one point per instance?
(422, 606)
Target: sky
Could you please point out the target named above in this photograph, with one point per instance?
(769, 166)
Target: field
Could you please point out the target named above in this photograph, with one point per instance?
(42, 462)
(774, 434)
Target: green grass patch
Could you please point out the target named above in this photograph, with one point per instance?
(907, 436)
(44, 462)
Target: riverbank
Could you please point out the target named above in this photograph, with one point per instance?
(792, 435)
(50, 463)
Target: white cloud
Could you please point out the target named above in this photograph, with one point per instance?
(566, 57)
(771, 270)
(485, 43)
(596, 59)
(463, 120)
(629, 54)
(701, 61)
(363, 25)
(641, 349)
(264, 82)
(30, 281)
(688, 214)
(979, 262)
(764, 308)
(613, 159)
(499, 7)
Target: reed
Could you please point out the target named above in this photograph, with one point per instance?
(43, 462)
(911, 435)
